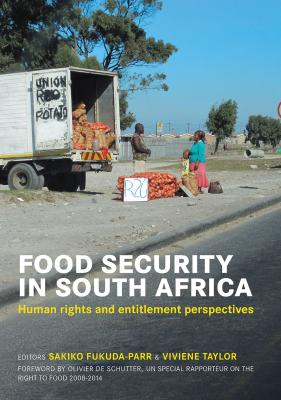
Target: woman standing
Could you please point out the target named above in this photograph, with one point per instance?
(198, 161)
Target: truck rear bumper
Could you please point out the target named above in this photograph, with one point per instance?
(96, 166)
(101, 155)
(97, 161)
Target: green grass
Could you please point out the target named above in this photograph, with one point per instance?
(242, 165)
(231, 165)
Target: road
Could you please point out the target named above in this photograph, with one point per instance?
(52, 222)
(255, 338)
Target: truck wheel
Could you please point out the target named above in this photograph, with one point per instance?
(41, 181)
(81, 177)
(54, 185)
(70, 182)
(23, 176)
(64, 182)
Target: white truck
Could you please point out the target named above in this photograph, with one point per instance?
(36, 107)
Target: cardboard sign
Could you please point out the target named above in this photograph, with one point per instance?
(186, 191)
(135, 189)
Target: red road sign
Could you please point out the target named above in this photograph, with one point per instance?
(279, 109)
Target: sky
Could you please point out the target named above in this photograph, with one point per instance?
(227, 49)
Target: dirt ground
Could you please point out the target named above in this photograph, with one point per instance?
(93, 222)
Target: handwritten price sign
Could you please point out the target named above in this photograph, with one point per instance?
(136, 189)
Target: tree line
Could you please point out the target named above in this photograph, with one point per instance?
(109, 35)
(222, 120)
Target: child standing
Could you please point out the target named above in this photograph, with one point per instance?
(185, 163)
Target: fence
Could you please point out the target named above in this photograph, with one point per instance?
(160, 149)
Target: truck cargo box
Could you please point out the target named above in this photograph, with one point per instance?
(36, 110)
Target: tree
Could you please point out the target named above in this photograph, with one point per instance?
(126, 118)
(265, 129)
(222, 120)
(124, 41)
(115, 27)
(66, 56)
(49, 33)
(28, 32)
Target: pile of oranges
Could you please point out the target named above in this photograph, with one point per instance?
(160, 184)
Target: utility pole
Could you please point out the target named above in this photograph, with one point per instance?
(169, 126)
(188, 127)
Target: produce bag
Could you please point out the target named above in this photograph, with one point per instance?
(110, 139)
(100, 136)
(78, 113)
(84, 132)
(160, 185)
(193, 183)
(215, 187)
(190, 185)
